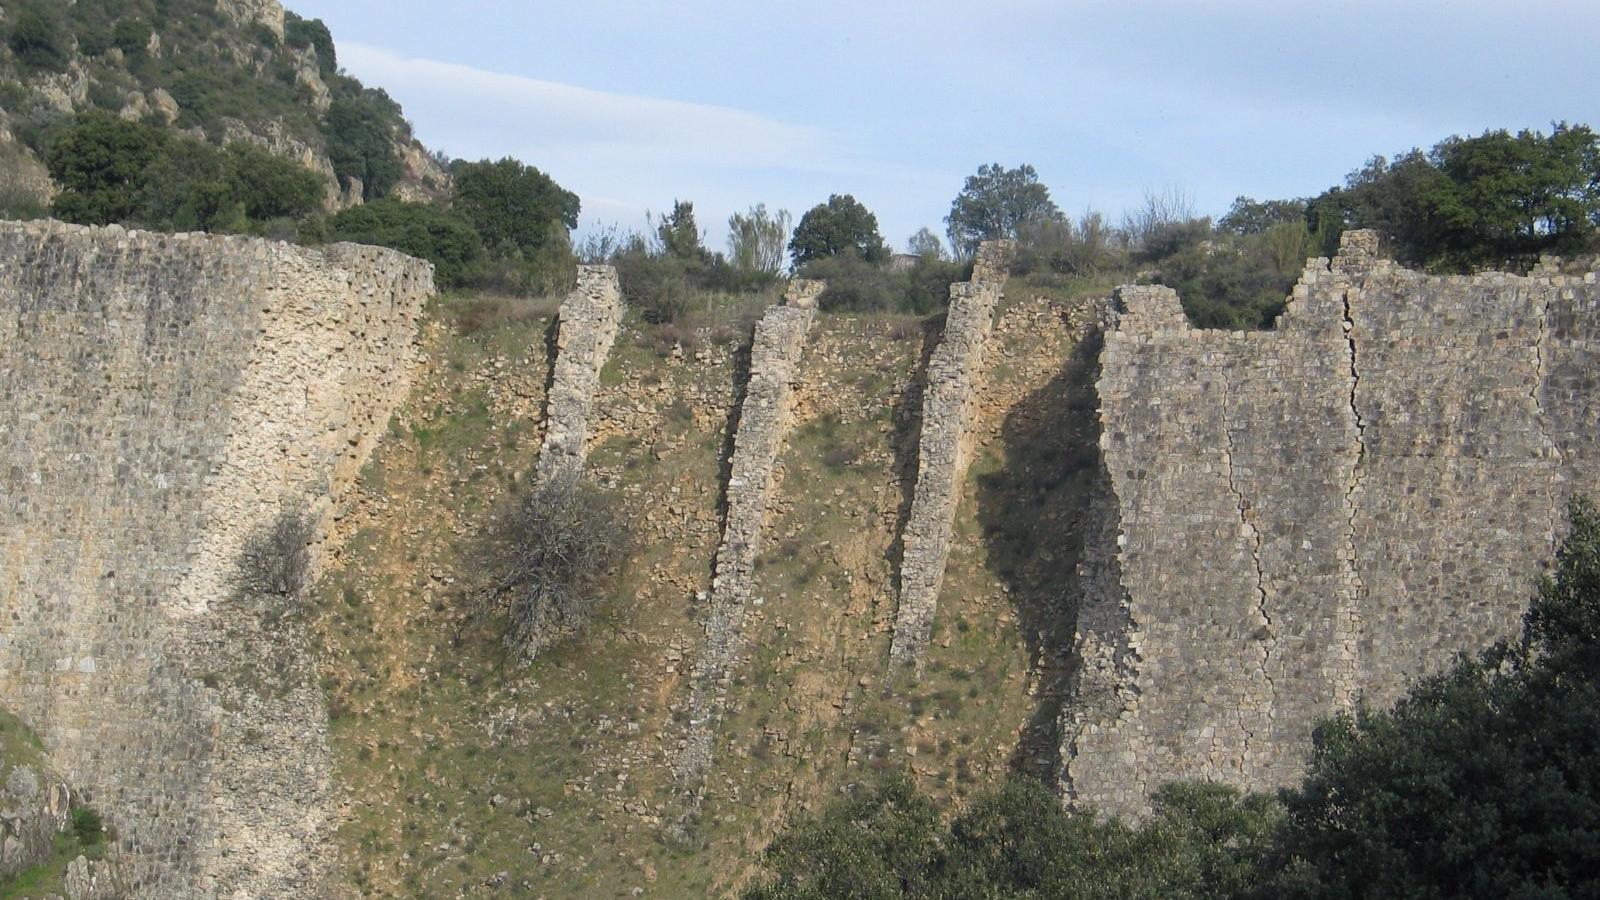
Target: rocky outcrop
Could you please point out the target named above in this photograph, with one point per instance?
(35, 806)
(942, 448)
(775, 353)
(266, 13)
(587, 327)
(1302, 517)
(167, 398)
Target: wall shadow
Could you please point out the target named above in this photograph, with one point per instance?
(1034, 514)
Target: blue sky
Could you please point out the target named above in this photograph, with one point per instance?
(634, 105)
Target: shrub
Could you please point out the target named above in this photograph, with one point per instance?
(302, 33)
(1237, 282)
(882, 840)
(657, 285)
(553, 555)
(419, 229)
(132, 37)
(886, 840)
(927, 285)
(22, 195)
(87, 827)
(856, 285)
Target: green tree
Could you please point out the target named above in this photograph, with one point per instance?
(513, 206)
(302, 33)
(926, 244)
(271, 187)
(881, 841)
(359, 130)
(679, 234)
(1480, 782)
(99, 162)
(1248, 216)
(1494, 199)
(419, 229)
(842, 226)
(523, 217)
(190, 188)
(996, 203)
(757, 239)
(37, 41)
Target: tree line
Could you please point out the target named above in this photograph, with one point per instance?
(1494, 200)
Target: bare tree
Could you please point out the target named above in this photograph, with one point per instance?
(1160, 211)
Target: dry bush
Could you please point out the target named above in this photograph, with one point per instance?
(553, 557)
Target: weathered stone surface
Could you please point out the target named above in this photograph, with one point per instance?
(1298, 518)
(775, 353)
(587, 327)
(165, 397)
(942, 448)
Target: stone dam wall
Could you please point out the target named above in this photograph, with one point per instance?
(942, 451)
(164, 398)
(775, 353)
(587, 326)
(1295, 519)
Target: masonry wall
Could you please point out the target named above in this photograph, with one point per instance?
(942, 448)
(775, 353)
(165, 397)
(588, 324)
(1297, 518)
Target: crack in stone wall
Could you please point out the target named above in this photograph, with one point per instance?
(1348, 622)
(165, 397)
(586, 328)
(942, 450)
(1263, 639)
(1388, 447)
(775, 353)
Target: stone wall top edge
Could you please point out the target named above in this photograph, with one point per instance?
(338, 252)
(1145, 312)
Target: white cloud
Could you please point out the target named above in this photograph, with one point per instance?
(555, 120)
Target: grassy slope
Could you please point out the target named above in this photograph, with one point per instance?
(458, 768)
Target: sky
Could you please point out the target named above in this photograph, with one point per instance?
(635, 105)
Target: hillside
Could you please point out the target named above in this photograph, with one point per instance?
(460, 766)
(222, 70)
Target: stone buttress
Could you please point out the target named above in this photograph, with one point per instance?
(942, 448)
(587, 327)
(775, 353)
